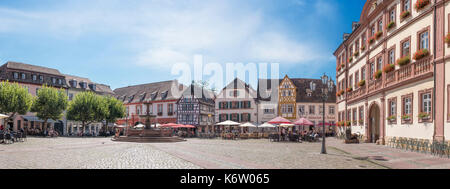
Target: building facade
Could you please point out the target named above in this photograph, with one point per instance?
(236, 102)
(391, 71)
(162, 96)
(77, 85)
(196, 107)
(267, 100)
(33, 78)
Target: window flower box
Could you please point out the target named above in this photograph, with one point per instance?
(350, 89)
(356, 54)
(348, 123)
(362, 83)
(404, 15)
(363, 48)
(421, 54)
(420, 4)
(371, 40)
(341, 92)
(350, 59)
(388, 68)
(361, 121)
(406, 118)
(390, 25)
(403, 61)
(378, 74)
(447, 39)
(424, 116)
(378, 35)
(392, 118)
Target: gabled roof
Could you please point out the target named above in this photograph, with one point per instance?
(239, 84)
(165, 90)
(199, 93)
(265, 89)
(33, 68)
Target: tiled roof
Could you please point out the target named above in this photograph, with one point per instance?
(303, 86)
(204, 95)
(239, 84)
(149, 92)
(100, 88)
(29, 67)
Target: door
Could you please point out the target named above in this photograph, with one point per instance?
(374, 123)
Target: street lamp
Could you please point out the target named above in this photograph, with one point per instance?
(327, 85)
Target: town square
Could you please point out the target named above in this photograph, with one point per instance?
(208, 85)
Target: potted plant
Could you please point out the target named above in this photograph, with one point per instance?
(406, 117)
(350, 89)
(361, 121)
(420, 4)
(377, 74)
(390, 25)
(391, 118)
(348, 123)
(424, 116)
(350, 59)
(404, 15)
(388, 68)
(372, 40)
(378, 35)
(356, 54)
(447, 39)
(363, 47)
(421, 54)
(362, 83)
(403, 61)
(342, 66)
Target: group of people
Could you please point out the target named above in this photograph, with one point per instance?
(9, 134)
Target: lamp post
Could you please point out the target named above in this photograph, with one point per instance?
(327, 85)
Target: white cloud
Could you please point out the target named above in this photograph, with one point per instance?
(162, 33)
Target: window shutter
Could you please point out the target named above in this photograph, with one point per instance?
(249, 117)
(230, 105)
(249, 104)
(227, 116)
(237, 117)
(220, 105)
(242, 117)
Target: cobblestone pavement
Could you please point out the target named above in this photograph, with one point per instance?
(391, 157)
(102, 153)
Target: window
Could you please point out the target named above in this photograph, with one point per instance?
(170, 107)
(350, 83)
(331, 110)
(392, 108)
(406, 47)
(41, 78)
(363, 73)
(320, 109)
(380, 25)
(426, 102)
(372, 31)
(361, 113)
(16, 75)
(379, 63)
(234, 93)
(372, 70)
(34, 77)
(24, 76)
(357, 45)
(406, 5)
(268, 111)
(407, 108)
(354, 115)
(424, 40)
(53, 80)
(356, 78)
(138, 110)
(60, 82)
(312, 110)
(391, 56)
(160, 109)
(301, 110)
(392, 15)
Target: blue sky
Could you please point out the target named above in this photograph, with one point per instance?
(128, 42)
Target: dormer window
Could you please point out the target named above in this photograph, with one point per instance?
(34, 77)
(60, 81)
(73, 83)
(53, 80)
(24, 76)
(83, 85)
(16, 75)
(164, 94)
(153, 95)
(93, 87)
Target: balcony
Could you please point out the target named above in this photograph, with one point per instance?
(408, 73)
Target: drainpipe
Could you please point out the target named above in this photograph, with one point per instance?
(434, 73)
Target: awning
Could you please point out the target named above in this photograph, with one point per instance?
(36, 119)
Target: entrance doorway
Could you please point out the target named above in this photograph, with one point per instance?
(374, 124)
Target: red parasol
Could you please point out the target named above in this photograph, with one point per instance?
(279, 120)
(303, 122)
(173, 125)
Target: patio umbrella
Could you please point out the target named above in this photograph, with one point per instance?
(266, 125)
(279, 120)
(303, 122)
(3, 116)
(248, 124)
(286, 125)
(170, 125)
(228, 123)
(139, 126)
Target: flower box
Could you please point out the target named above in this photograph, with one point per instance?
(377, 74)
(403, 61)
(350, 59)
(447, 39)
(421, 54)
(356, 54)
(420, 4)
(392, 118)
(363, 48)
(378, 35)
(390, 25)
(361, 121)
(388, 68)
(406, 118)
(404, 15)
(362, 83)
(424, 116)
(350, 89)
(348, 123)
(372, 40)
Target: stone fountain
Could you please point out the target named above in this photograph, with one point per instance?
(149, 134)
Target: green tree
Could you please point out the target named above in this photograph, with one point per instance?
(50, 104)
(14, 99)
(116, 110)
(87, 108)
